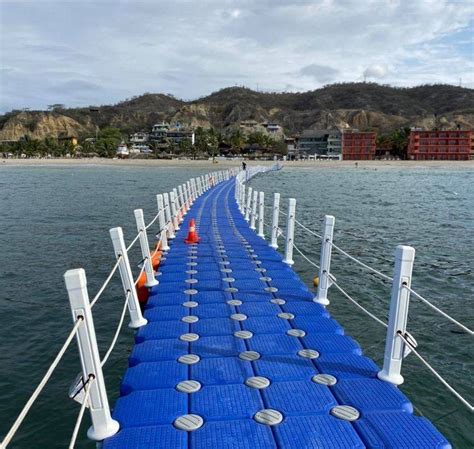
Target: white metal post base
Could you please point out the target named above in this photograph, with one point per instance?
(290, 232)
(128, 284)
(103, 426)
(276, 214)
(395, 349)
(325, 261)
(98, 435)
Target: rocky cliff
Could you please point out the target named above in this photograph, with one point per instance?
(367, 106)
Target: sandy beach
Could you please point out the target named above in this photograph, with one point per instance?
(203, 164)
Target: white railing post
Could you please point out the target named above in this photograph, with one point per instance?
(237, 192)
(186, 198)
(395, 349)
(261, 209)
(169, 222)
(190, 193)
(290, 232)
(253, 214)
(103, 426)
(182, 201)
(145, 247)
(136, 317)
(174, 213)
(249, 204)
(325, 261)
(276, 216)
(177, 207)
(203, 181)
(198, 181)
(242, 199)
(162, 221)
(193, 189)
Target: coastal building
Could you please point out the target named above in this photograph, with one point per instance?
(140, 148)
(177, 136)
(271, 129)
(455, 145)
(66, 138)
(357, 145)
(139, 138)
(162, 132)
(312, 142)
(291, 148)
(159, 131)
(274, 130)
(334, 144)
(319, 144)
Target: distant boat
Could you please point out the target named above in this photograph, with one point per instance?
(122, 151)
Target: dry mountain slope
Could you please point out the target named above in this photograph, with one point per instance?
(362, 105)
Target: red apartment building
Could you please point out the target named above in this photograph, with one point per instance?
(358, 145)
(441, 145)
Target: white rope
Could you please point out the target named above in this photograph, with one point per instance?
(384, 276)
(134, 241)
(429, 304)
(106, 282)
(438, 376)
(152, 221)
(305, 257)
(77, 426)
(371, 315)
(117, 332)
(142, 269)
(41, 385)
(282, 233)
(308, 230)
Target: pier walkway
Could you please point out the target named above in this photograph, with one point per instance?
(236, 355)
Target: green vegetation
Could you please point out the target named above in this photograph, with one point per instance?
(396, 142)
(208, 143)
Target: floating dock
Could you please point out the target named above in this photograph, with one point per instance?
(237, 355)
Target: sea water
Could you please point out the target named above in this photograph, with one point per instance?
(56, 218)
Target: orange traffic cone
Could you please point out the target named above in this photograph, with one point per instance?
(192, 234)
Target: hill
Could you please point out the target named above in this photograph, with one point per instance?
(367, 106)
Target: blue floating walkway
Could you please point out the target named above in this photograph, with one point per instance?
(233, 331)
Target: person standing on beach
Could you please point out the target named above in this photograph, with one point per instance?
(244, 165)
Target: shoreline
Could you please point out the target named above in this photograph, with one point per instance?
(165, 163)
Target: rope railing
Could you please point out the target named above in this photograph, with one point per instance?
(153, 221)
(362, 264)
(350, 298)
(142, 269)
(117, 332)
(436, 309)
(436, 374)
(80, 416)
(135, 240)
(79, 301)
(333, 282)
(42, 384)
(340, 250)
(400, 292)
(106, 282)
(308, 230)
(305, 257)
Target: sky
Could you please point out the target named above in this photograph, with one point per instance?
(85, 52)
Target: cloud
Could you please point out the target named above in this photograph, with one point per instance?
(81, 53)
(375, 71)
(321, 73)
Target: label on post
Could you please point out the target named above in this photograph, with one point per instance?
(77, 390)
